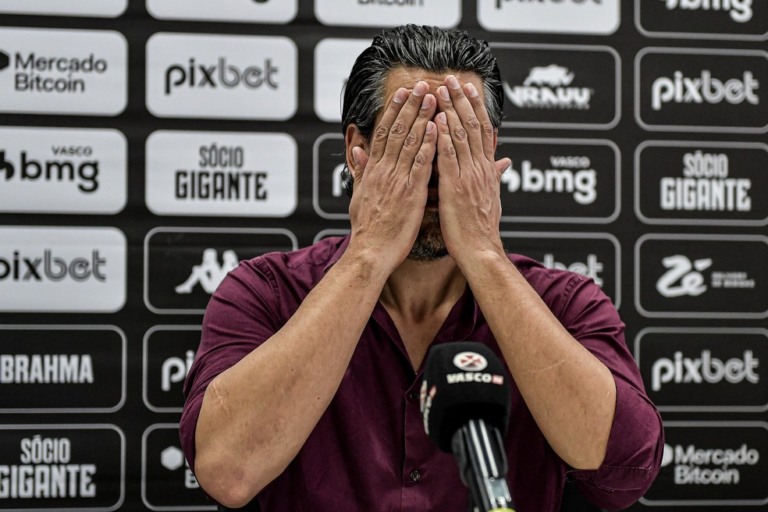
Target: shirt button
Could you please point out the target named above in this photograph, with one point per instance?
(413, 396)
(415, 475)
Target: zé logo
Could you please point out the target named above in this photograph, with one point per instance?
(683, 277)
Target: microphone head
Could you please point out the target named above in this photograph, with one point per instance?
(463, 381)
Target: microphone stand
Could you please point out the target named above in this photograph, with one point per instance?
(479, 450)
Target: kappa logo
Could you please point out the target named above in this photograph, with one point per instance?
(549, 87)
(740, 11)
(209, 274)
(684, 276)
(470, 361)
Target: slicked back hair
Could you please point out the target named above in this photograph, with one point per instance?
(419, 47)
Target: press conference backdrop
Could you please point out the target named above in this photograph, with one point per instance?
(146, 147)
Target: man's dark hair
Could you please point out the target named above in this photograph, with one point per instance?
(420, 47)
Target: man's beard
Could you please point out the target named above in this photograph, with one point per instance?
(429, 244)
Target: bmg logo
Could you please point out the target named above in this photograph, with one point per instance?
(221, 74)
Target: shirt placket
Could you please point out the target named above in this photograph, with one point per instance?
(415, 472)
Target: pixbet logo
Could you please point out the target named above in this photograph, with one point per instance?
(704, 89)
(175, 369)
(591, 268)
(21, 267)
(221, 74)
(705, 368)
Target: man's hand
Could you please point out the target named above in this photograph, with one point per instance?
(391, 181)
(469, 186)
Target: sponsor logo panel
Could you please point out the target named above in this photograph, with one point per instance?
(257, 11)
(711, 463)
(58, 368)
(333, 62)
(565, 180)
(75, 72)
(328, 195)
(702, 19)
(221, 173)
(167, 483)
(168, 354)
(388, 13)
(62, 170)
(62, 467)
(227, 77)
(559, 86)
(550, 16)
(594, 255)
(53, 269)
(184, 266)
(96, 8)
(711, 90)
(701, 182)
(704, 369)
(701, 276)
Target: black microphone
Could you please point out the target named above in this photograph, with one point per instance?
(465, 402)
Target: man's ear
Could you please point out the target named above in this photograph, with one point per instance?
(353, 138)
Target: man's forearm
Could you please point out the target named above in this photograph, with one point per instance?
(257, 414)
(571, 394)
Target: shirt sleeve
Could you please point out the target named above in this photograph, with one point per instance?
(240, 316)
(636, 442)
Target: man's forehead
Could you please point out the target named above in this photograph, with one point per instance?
(408, 76)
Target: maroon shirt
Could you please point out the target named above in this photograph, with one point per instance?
(369, 450)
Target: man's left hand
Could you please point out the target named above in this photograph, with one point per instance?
(470, 177)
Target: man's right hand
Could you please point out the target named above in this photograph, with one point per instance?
(390, 181)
